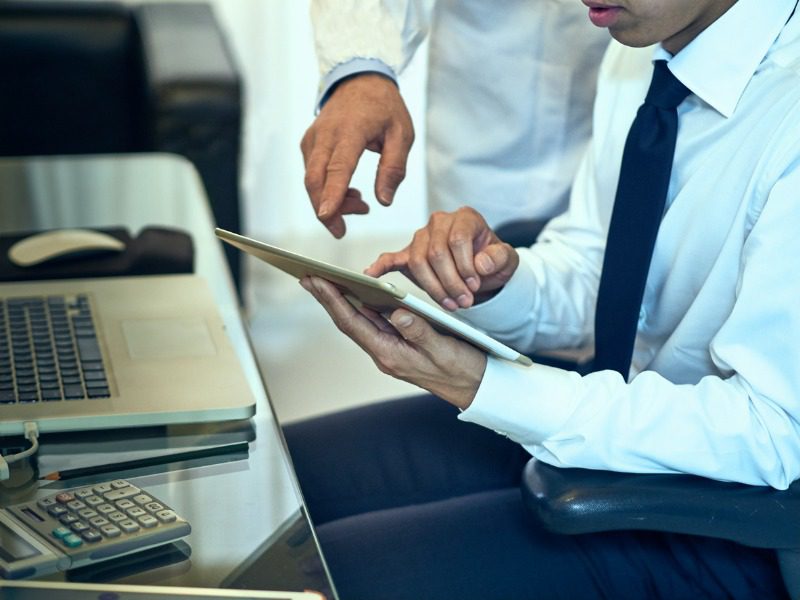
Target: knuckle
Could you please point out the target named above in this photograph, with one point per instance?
(386, 364)
(437, 253)
(312, 182)
(416, 262)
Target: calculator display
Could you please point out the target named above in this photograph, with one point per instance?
(13, 547)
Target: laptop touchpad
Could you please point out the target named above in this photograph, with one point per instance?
(168, 338)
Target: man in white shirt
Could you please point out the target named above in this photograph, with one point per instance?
(713, 388)
(508, 103)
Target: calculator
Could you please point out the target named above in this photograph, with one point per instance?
(79, 526)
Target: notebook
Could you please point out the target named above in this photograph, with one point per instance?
(100, 353)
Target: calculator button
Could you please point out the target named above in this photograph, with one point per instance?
(72, 541)
(61, 532)
(136, 511)
(87, 513)
(68, 519)
(123, 504)
(64, 497)
(79, 526)
(104, 509)
(119, 484)
(166, 516)
(102, 488)
(57, 510)
(75, 505)
(121, 493)
(93, 500)
(98, 521)
(84, 493)
(90, 535)
(110, 531)
(117, 516)
(128, 525)
(142, 499)
(45, 503)
(154, 506)
(148, 521)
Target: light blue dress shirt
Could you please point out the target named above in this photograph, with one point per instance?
(714, 388)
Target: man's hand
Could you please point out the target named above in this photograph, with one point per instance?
(456, 258)
(408, 349)
(364, 112)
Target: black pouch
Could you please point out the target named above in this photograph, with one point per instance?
(155, 251)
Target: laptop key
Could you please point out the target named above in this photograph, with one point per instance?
(72, 392)
(51, 394)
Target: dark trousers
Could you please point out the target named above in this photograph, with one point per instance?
(410, 503)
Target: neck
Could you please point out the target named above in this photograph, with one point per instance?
(680, 40)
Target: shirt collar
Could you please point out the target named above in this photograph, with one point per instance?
(718, 64)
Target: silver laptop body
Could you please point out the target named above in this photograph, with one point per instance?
(162, 344)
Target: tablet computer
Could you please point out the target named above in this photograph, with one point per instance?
(382, 296)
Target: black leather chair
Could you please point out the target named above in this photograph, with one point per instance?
(575, 501)
(103, 77)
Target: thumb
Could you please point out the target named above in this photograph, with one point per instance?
(411, 327)
(391, 166)
(498, 259)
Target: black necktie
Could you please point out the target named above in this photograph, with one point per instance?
(638, 209)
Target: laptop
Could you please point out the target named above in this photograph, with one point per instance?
(101, 353)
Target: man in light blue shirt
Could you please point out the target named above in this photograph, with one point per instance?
(713, 388)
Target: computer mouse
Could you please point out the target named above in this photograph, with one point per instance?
(61, 244)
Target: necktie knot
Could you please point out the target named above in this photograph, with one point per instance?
(665, 89)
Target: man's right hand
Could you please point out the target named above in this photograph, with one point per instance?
(456, 258)
(364, 112)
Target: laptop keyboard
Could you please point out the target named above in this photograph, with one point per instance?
(49, 350)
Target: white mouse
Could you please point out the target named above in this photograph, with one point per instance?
(61, 243)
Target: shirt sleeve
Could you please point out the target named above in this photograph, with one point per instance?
(383, 33)
(740, 424)
(548, 304)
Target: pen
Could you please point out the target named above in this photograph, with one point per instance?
(147, 462)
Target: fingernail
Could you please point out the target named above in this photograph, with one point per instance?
(473, 284)
(485, 263)
(324, 210)
(404, 320)
(449, 304)
(463, 301)
(385, 196)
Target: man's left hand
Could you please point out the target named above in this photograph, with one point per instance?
(408, 349)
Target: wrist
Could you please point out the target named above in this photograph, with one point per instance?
(347, 70)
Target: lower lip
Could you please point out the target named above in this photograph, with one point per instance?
(604, 17)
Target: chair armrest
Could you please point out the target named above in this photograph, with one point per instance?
(574, 501)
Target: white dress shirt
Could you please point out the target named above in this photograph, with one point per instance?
(714, 388)
(509, 96)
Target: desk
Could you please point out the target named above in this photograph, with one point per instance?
(249, 526)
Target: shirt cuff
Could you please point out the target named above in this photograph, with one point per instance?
(352, 67)
(526, 404)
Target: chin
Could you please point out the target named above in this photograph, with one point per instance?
(628, 38)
